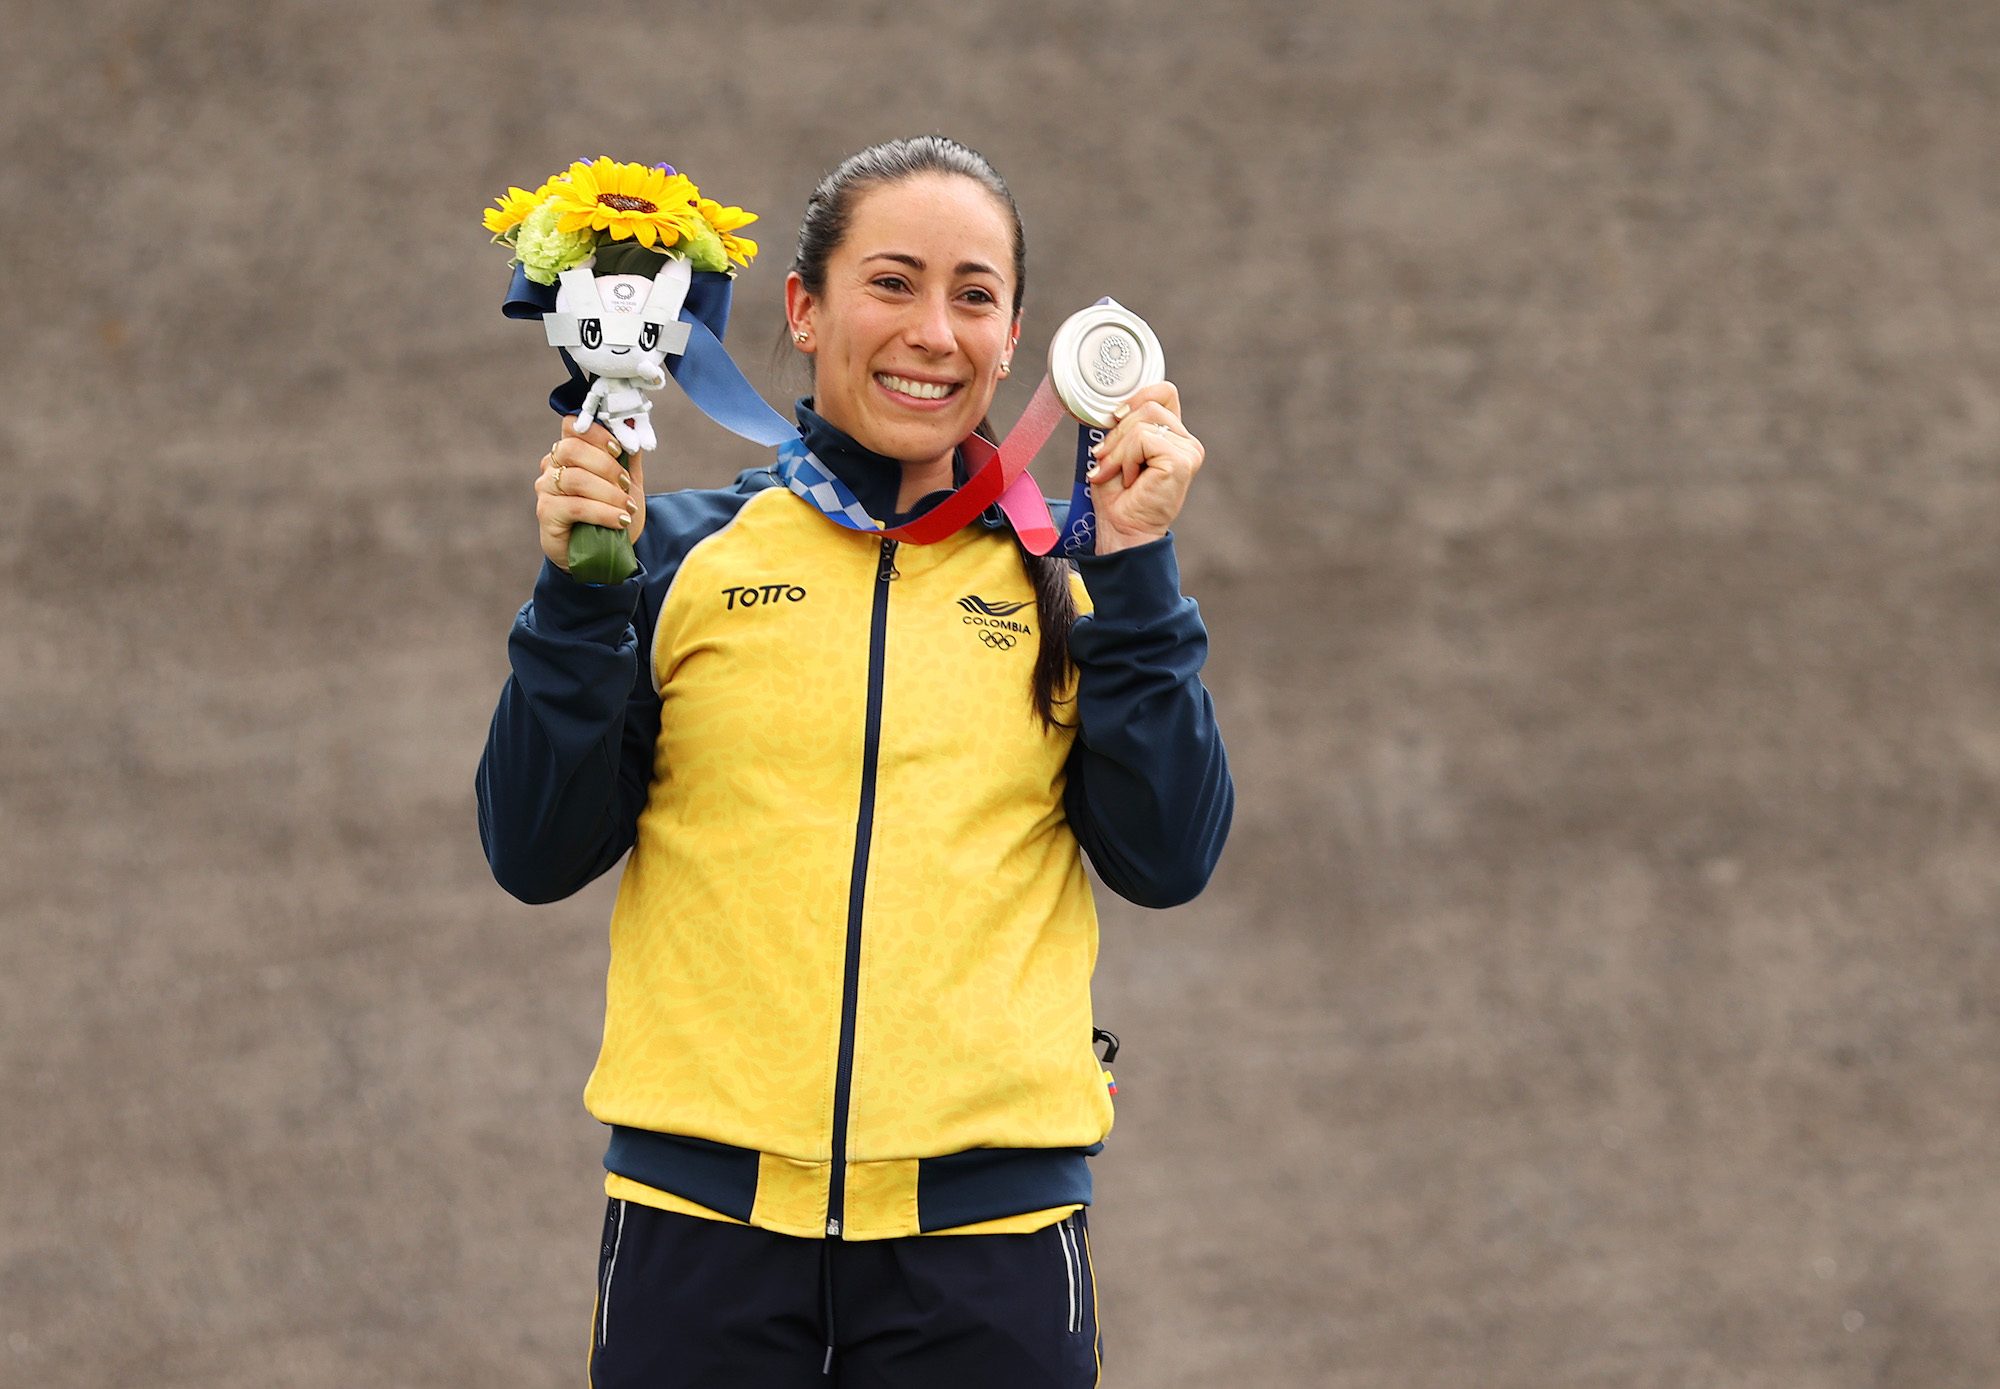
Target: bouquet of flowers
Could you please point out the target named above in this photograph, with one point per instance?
(588, 206)
(619, 245)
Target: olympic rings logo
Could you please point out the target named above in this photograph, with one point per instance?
(1114, 354)
(999, 641)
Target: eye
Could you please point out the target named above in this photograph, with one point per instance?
(593, 333)
(649, 337)
(979, 296)
(896, 284)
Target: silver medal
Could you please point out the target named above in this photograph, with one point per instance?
(1099, 357)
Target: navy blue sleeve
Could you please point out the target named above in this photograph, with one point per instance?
(1149, 793)
(569, 756)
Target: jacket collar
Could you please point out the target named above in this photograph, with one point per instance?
(873, 478)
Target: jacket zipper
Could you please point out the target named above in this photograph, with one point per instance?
(864, 829)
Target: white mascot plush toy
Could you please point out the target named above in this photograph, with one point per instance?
(620, 328)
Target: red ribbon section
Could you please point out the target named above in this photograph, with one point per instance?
(999, 474)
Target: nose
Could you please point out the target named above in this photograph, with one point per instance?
(929, 326)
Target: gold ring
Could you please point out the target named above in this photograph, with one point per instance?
(557, 482)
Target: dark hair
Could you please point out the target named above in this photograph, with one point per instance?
(829, 211)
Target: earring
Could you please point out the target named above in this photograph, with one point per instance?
(800, 336)
(1004, 369)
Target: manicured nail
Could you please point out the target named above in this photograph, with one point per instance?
(624, 519)
(1121, 412)
(625, 481)
(611, 447)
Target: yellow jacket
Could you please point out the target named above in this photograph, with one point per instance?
(849, 990)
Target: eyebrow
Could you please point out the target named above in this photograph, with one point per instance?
(965, 267)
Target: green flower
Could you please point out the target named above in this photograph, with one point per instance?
(703, 248)
(545, 251)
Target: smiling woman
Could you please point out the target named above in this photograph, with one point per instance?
(911, 318)
(849, 1057)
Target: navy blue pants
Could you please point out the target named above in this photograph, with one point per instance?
(683, 1302)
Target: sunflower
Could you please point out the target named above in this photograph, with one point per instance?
(725, 220)
(627, 200)
(511, 211)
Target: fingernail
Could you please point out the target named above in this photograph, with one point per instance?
(1120, 412)
(624, 519)
(625, 481)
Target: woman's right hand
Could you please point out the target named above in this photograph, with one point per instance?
(583, 482)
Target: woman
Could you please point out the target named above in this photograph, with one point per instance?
(848, 1057)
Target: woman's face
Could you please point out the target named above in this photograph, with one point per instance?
(915, 319)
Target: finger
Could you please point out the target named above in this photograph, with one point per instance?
(596, 434)
(1164, 394)
(1145, 412)
(1139, 444)
(574, 481)
(585, 456)
(1137, 418)
(635, 479)
(558, 514)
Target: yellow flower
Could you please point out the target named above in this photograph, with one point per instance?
(511, 211)
(725, 220)
(626, 200)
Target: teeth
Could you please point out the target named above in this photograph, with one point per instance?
(922, 390)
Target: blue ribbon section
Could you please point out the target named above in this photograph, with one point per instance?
(1079, 536)
(717, 386)
(706, 371)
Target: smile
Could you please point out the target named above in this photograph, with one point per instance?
(921, 390)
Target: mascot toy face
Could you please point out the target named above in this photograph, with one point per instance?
(632, 347)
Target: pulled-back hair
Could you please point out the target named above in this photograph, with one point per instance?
(829, 213)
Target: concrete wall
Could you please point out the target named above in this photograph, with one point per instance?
(1603, 403)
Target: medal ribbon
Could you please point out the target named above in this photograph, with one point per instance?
(998, 474)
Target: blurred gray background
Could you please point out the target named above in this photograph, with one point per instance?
(1603, 412)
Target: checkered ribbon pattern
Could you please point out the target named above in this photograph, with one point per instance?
(800, 470)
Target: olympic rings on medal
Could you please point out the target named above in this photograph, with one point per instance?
(999, 641)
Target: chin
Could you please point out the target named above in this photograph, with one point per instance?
(917, 441)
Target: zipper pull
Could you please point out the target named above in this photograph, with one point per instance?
(887, 569)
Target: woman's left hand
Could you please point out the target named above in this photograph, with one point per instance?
(1144, 467)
